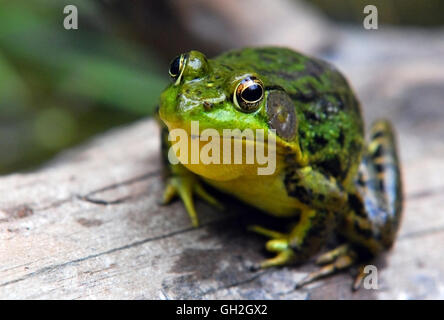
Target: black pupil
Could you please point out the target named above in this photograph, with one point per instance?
(174, 67)
(252, 93)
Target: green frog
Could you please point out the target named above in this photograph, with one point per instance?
(328, 180)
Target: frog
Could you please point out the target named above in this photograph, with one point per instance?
(330, 178)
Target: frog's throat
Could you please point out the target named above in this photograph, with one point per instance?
(275, 155)
(282, 147)
(224, 170)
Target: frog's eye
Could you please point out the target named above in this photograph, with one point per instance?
(248, 94)
(176, 68)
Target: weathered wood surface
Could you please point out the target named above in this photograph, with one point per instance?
(88, 224)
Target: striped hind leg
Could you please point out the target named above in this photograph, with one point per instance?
(375, 208)
(374, 212)
(384, 172)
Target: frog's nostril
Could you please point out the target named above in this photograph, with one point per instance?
(207, 105)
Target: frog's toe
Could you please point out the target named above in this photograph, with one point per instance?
(332, 255)
(184, 188)
(285, 255)
(204, 195)
(169, 193)
(359, 278)
(282, 258)
(278, 243)
(341, 263)
(266, 232)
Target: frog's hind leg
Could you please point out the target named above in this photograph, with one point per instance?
(375, 209)
(384, 173)
(374, 214)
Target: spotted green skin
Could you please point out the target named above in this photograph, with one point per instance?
(330, 127)
(341, 184)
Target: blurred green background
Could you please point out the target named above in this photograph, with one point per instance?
(59, 87)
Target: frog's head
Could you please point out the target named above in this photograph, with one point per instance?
(227, 96)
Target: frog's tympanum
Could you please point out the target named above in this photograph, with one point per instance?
(328, 180)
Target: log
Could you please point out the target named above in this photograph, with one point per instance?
(89, 225)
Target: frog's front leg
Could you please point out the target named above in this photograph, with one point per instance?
(183, 183)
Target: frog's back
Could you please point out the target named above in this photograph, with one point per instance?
(330, 127)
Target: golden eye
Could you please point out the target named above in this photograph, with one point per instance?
(248, 94)
(176, 68)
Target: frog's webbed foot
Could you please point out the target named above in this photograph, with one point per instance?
(332, 261)
(185, 185)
